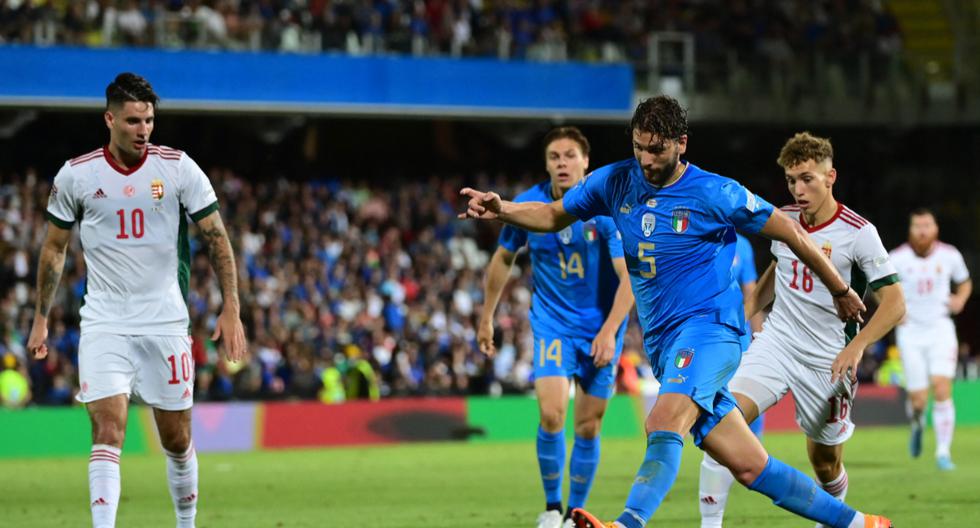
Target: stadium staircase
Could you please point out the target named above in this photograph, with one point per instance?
(928, 38)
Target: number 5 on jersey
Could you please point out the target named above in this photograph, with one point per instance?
(644, 253)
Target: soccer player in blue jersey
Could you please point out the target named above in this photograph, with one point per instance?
(678, 226)
(581, 299)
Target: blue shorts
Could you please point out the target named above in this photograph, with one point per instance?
(698, 360)
(556, 355)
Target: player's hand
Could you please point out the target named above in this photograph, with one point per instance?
(603, 348)
(484, 337)
(230, 327)
(846, 363)
(849, 307)
(482, 205)
(955, 305)
(37, 343)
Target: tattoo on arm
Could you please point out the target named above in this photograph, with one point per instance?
(48, 276)
(222, 259)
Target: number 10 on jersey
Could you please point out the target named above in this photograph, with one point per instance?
(136, 227)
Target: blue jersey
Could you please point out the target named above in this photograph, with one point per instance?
(744, 266)
(679, 241)
(573, 277)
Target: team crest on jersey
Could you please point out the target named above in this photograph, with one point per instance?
(156, 189)
(684, 357)
(681, 219)
(827, 248)
(647, 223)
(129, 191)
(565, 235)
(589, 231)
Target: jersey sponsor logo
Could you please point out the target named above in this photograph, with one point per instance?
(590, 232)
(156, 189)
(99, 194)
(681, 219)
(651, 203)
(626, 208)
(647, 223)
(129, 191)
(565, 235)
(684, 357)
(678, 379)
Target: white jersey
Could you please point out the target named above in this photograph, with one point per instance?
(926, 281)
(134, 236)
(803, 316)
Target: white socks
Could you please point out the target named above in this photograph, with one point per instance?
(943, 421)
(182, 478)
(837, 488)
(716, 481)
(104, 484)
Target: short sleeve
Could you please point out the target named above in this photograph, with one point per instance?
(746, 261)
(960, 273)
(62, 206)
(512, 238)
(590, 197)
(610, 236)
(873, 259)
(196, 194)
(740, 207)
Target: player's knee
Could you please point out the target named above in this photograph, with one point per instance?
(827, 470)
(941, 391)
(176, 441)
(552, 420)
(588, 428)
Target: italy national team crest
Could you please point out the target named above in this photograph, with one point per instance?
(648, 222)
(565, 235)
(589, 231)
(683, 357)
(681, 219)
(156, 189)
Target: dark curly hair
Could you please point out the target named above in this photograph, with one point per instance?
(661, 116)
(130, 87)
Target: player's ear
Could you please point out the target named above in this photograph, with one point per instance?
(108, 118)
(831, 176)
(682, 144)
(585, 159)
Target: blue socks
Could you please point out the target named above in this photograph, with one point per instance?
(654, 479)
(792, 490)
(585, 460)
(551, 462)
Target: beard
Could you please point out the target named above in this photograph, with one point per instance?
(663, 174)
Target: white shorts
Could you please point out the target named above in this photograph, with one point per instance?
(823, 410)
(926, 353)
(160, 369)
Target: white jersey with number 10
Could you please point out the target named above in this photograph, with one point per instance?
(926, 281)
(133, 225)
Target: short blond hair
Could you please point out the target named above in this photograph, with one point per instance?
(804, 146)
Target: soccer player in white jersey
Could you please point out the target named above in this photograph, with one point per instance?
(802, 340)
(132, 200)
(927, 337)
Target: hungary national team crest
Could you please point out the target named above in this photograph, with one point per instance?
(683, 357)
(681, 219)
(589, 231)
(156, 189)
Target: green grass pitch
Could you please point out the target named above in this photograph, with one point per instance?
(474, 485)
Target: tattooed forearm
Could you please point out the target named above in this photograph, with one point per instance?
(49, 270)
(222, 259)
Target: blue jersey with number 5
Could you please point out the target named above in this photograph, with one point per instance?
(574, 281)
(679, 241)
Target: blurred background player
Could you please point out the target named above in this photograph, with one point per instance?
(131, 199)
(690, 307)
(581, 301)
(802, 338)
(927, 336)
(715, 480)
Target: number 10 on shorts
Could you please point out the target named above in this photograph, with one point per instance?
(186, 368)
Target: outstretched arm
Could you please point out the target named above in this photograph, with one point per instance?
(780, 227)
(604, 344)
(229, 324)
(532, 216)
(50, 265)
(497, 274)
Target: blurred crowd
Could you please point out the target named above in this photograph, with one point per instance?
(347, 292)
(611, 30)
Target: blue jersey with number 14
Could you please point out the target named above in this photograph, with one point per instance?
(574, 281)
(679, 241)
